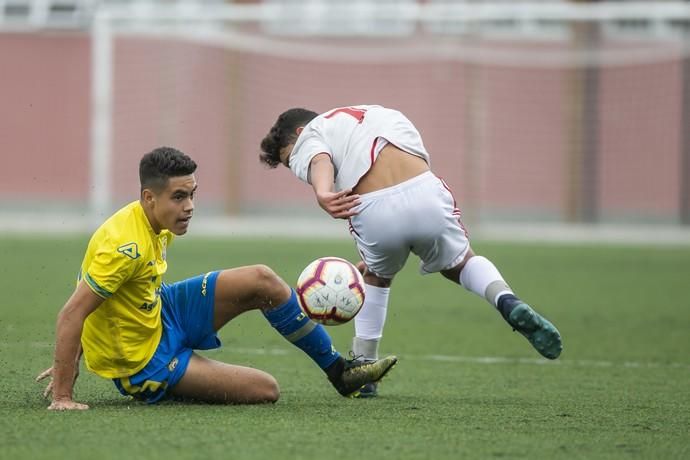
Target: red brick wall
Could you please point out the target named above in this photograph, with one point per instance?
(217, 105)
(44, 116)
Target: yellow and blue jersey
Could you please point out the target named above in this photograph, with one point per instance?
(124, 264)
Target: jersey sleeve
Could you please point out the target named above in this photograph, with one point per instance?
(112, 264)
(303, 152)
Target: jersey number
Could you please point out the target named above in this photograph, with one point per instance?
(357, 114)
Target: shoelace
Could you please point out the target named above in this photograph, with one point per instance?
(354, 357)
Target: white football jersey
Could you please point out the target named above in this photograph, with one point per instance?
(353, 137)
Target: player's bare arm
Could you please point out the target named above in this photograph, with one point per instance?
(339, 205)
(48, 391)
(70, 323)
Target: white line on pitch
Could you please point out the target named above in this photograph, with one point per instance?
(539, 361)
(490, 359)
(437, 358)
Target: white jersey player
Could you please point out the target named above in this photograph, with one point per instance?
(368, 164)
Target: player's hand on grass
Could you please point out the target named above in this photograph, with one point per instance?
(48, 373)
(340, 205)
(66, 404)
(44, 375)
(59, 403)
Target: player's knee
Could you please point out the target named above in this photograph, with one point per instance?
(273, 391)
(268, 391)
(268, 284)
(264, 276)
(453, 273)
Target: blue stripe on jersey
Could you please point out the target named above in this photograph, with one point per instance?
(96, 288)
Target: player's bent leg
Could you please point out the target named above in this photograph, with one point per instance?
(258, 287)
(247, 288)
(453, 273)
(211, 381)
(479, 275)
(369, 323)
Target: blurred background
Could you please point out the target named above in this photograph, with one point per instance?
(547, 119)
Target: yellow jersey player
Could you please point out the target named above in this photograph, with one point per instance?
(141, 332)
(368, 164)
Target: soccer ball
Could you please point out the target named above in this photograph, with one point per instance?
(330, 290)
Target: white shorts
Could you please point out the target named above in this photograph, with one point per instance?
(418, 215)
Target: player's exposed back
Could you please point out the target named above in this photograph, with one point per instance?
(142, 333)
(368, 164)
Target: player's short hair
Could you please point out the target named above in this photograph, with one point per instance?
(283, 133)
(159, 165)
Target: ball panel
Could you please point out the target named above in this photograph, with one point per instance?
(331, 290)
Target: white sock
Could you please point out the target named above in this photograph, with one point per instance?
(369, 322)
(366, 349)
(482, 277)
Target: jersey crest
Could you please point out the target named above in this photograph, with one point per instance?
(131, 250)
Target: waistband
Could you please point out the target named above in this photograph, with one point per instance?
(426, 176)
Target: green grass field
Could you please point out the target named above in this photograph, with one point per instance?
(466, 386)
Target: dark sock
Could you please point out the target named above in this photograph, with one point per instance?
(289, 320)
(336, 369)
(506, 304)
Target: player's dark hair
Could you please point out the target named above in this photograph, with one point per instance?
(159, 165)
(283, 133)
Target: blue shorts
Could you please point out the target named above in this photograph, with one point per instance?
(187, 316)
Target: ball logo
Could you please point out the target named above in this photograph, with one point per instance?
(330, 290)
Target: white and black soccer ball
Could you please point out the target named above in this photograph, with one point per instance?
(330, 290)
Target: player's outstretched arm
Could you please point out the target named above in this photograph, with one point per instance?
(339, 205)
(49, 373)
(65, 368)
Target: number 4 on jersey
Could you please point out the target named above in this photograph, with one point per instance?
(357, 114)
